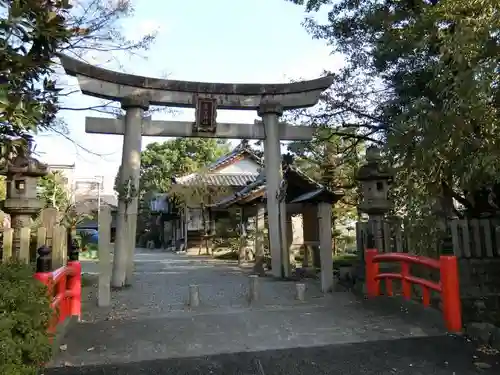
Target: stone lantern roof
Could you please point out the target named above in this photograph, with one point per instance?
(374, 169)
(26, 165)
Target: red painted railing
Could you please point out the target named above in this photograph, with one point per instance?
(65, 289)
(448, 286)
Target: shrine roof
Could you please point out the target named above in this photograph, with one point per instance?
(219, 179)
(311, 190)
(214, 177)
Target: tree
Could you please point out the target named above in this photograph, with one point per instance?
(160, 162)
(333, 161)
(53, 191)
(422, 80)
(32, 34)
(200, 193)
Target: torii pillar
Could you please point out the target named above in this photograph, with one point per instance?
(126, 226)
(276, 210)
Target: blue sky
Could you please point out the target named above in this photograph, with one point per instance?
(219, 40)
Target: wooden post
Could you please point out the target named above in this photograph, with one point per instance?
(104, 249)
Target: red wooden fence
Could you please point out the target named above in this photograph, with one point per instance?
(448, 285)
(65, 289)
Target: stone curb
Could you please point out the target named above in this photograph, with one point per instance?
(484, 333)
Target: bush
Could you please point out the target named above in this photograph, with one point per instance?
(24, 319)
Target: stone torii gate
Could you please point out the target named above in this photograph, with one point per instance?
(137, 93)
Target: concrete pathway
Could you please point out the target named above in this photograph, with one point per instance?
(150, 330)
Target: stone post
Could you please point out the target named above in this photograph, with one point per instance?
(325, 244)
(194, 296)
(300, 291)
(123, 261)
(251, 230)
(104, 243)
(253, 288)
(270, 113)
(259, 240)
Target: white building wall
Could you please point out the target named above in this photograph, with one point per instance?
(245, 166)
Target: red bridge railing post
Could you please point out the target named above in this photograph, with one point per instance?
(450, 293)
(75, 286)
(371, 272)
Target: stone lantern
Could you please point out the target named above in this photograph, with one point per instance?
(375, 179)
(22, 202)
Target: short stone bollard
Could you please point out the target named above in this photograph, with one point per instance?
(300, 291)
(253, 288)
(194, 296)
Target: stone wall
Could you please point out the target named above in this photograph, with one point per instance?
(480, 289)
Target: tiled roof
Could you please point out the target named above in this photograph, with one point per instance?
(258, 188)
(220, 179)
(224, 179)
(240, 150)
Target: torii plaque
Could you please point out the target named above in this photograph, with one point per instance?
(206, 115)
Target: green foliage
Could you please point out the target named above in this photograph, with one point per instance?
(53, 191)
(30, 34)
(332, 160)
(421, 80)
(24, 319)
(85, 239)
(161, 161)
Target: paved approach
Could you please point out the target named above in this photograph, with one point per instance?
(150, 330)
